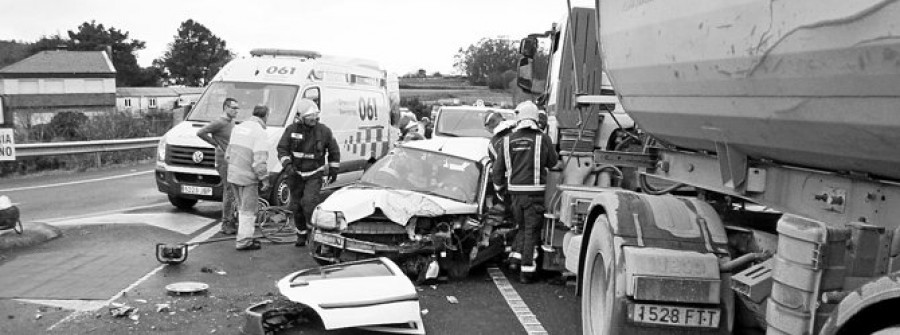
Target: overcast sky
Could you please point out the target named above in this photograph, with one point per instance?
(405, 35)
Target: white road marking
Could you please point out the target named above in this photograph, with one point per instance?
(526, 318)
(178, 222)
(26, 188)
(61, 220)
(202, 237)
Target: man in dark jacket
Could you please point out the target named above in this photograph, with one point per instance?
(521, 170)
(302, 150)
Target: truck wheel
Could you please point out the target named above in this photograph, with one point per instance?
(598, 283)
(182, 203)
(281, 194)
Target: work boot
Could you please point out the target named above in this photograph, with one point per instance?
(514, 264)
(526, 277)
(255, 245)
(226, 230)
(301, 239)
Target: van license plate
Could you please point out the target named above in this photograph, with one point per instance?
(675, 316)
(197, 190)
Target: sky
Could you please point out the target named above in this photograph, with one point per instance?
(403, 35)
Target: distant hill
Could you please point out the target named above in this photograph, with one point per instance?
(431, 90)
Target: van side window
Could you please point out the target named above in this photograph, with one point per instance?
(313, 94)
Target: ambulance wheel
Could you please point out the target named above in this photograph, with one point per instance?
(182, 203)
(598, 283)
(281, 194)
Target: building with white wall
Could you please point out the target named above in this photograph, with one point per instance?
(49, 82)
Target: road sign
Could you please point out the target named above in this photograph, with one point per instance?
(7, 145)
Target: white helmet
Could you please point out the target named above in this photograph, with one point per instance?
(527, 110)
(306, 107)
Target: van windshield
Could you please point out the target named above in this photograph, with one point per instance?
(277, 97)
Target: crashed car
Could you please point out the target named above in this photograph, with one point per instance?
(424, 206)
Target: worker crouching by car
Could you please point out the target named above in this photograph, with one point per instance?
(302, 150)
(521, 170)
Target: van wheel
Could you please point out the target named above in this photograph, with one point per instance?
(281, 194)
(598, 283)
(182, 203)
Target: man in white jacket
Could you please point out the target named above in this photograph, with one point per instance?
(246, 156)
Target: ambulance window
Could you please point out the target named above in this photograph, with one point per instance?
(313, 94)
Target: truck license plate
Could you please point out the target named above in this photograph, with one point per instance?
(198, 190)
(675, 316)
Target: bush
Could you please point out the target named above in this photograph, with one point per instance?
(75, 126)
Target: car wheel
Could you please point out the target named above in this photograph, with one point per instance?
(182, 203)
(281, 194)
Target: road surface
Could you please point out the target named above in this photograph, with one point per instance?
(112, 221)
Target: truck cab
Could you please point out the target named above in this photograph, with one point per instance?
(359, 102)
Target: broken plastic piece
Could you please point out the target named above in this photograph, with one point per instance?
(372, 294)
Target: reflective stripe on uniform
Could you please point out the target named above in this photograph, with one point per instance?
(334, 165)
(302, 155)
(310, 173)
(526, 188)
(506, 160)
(537, 159)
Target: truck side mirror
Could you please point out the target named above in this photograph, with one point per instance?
(528, 47)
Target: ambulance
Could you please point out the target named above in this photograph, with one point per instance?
(359, 100)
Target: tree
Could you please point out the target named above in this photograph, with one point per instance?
(195, 56)
(95, 37)
(488, 57)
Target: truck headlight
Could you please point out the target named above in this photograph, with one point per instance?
(161, 150)
(329, 219)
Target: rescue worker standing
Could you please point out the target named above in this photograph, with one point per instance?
(247, 155)
(499, 211)
(522, 165)
(412, 132)
(302, 151)
(218, 134)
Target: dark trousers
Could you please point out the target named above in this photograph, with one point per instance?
(304, 198)
(528, 213)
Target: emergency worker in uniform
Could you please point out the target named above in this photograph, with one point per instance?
(522, 166)
(247, 155)
(302, 150)
(499, 211)
(218, 134)
(412, 132)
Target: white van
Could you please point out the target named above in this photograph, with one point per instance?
(358, 99)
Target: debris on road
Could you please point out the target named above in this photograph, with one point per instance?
(210, 269)
(187, 287)
(163, 308)
(121, 310)
(452, 299)
(336, 293)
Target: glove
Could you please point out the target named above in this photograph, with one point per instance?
(288, 168)
(332, 175)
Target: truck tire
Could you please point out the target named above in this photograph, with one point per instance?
(598, 286)
(182, 203)
(281, 192)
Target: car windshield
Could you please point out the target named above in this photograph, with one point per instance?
(461, 122)
(277, 97)
(426, 172)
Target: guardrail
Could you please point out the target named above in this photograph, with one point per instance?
(82, 147)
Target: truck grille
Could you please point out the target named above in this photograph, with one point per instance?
(184, 156)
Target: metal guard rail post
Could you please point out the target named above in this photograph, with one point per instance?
(81, 147)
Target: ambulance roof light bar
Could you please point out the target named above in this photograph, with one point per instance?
(285, 52)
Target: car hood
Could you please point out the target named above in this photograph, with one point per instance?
(398, 205)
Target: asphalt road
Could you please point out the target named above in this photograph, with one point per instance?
(112, 220)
